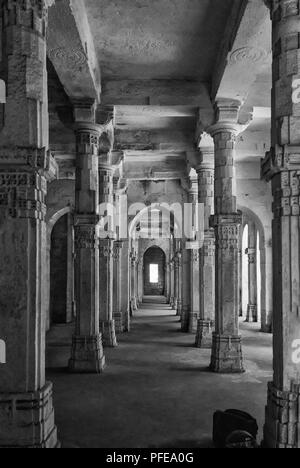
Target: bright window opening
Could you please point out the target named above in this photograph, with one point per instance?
(153, 274)
(2, 352)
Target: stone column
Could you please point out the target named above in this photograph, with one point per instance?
(241, 269)
(132, 281)
(26, 409)
(117, 284)
(172, 284)
(193, 316)
(70, 270)
(282, 167)
(107, 238)
(266, 287)
(205, 171)
(140, 280)
(185, 288)
(179, 282)
(227, 343)
(125, 307)
(167, 281)
(252, 273)
(176, 266)
(87, 350)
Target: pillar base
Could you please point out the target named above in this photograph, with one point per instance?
(281, 429)
(204, 335)
(252, 314)
(227, 357)
(27, 420)
(134, 305)
(87, 355)
(118, 317)
(172, 303)
(108, 334)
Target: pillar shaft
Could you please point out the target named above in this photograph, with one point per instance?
(125, 307)
(190, 323)
(117, 291)
(107, 237)
(226, 348)
(140, 280)
(172, 283)
(282, 166)
(87, 351)
(133, 281)
(185, 288)
(26, 409)
(179, 282)
(252, 273)
(205, 171)
(168, 279)
(70, 271)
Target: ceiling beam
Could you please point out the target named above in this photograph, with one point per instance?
(246, 53)
(156, 93)
(71, 50)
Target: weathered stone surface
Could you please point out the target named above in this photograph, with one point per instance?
(281, 166)
(26, 411)
(226, 350)
(27, 420)
(87, 351)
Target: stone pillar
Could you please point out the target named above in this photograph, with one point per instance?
(252, 273)
(227, 343)
(186, 288)
(172, 284)
(179, 283)
(241, 314)
(266, 287)
(167, 282)
(87, 350)
(282, 167)
(117, 284)
(70, 270)
(125, 307)
(176, 272)
(132, 281)
(140, 280)
(205, 171)
(107, 237)
(193, 316)
(26, 409)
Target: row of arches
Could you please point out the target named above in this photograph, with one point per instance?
(255, 262)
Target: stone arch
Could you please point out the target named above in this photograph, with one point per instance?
(53, 218)
(265, 267)
(155, 255)
(154, 206)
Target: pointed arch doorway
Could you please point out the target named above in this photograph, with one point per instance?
(154, 272)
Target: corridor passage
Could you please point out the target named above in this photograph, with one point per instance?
(156, 391)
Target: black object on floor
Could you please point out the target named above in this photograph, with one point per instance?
(230, 421)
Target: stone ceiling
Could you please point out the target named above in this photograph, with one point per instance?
(160, 63)
(157, 39)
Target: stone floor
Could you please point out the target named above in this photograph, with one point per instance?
(156, 391)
